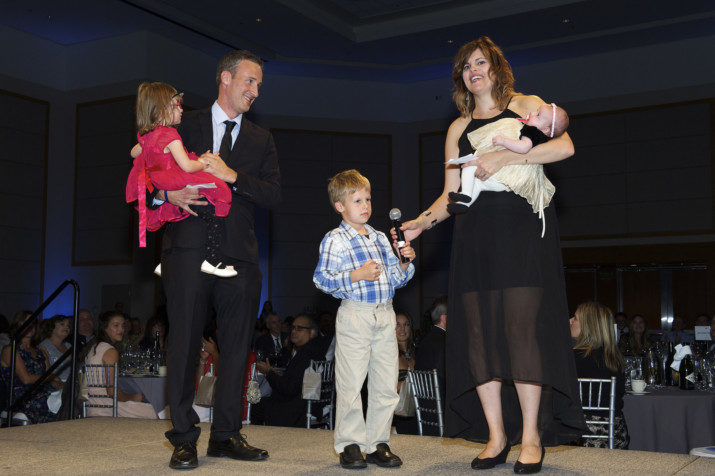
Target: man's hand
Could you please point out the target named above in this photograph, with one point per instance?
(185, 197)
(218, 168)
(370, 271)
(263, 367)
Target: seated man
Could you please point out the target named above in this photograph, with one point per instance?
(270, 344)
(285, 406)
(431, 353)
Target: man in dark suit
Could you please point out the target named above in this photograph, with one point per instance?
(271, 343)
(285, 406)
(431, 351)
(248, 164)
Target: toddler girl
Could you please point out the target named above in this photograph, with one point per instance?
(162, 162)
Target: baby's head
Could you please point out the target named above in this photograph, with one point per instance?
(549, 119)
(342, 186)
(158, 104)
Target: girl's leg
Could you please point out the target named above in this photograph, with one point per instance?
(529, 400)
(214, 228)
(490, 396)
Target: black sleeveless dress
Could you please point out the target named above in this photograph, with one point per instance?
(508, 317)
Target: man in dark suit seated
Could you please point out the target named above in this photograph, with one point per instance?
(285, 406)
(431, 352)
(270, 345)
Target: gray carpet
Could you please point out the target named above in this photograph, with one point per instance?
(106, 445)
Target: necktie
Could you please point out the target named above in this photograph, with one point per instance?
(225, 148)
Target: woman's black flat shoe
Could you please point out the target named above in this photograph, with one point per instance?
(529, 468)
(488, 463)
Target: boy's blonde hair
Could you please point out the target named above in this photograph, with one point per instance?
(154, 105)
(345, 183)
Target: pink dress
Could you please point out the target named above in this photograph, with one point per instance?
(154, 168)
(124, 409)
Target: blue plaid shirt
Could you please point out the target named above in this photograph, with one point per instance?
(344, 250)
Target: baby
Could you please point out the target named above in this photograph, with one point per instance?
(547, 122)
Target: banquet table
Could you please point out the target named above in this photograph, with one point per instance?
(670, 420)
(151, 386)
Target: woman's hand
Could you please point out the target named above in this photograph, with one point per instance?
(487, 164)
(412, 230)
(209, 347)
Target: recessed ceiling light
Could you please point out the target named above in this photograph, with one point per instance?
(258, 20)
(450, 41)
(566, 20)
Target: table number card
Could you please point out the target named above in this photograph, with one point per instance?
(702, 333)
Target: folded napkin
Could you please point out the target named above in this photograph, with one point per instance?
(680, 352)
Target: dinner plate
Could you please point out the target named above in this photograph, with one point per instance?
(633, 392)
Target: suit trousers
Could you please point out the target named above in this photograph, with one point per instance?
(365, 345)
(190, 295)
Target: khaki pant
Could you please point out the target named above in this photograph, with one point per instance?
(365, 344)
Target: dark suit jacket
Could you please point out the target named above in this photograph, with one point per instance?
(266, 345)
(255, 161)
(285, 406)
(431, 355)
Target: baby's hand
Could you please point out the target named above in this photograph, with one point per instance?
(498, 140)
(370, 271)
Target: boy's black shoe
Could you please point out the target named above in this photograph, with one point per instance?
(383, 457)
(457, 208)
(459, 197)
(351, 457)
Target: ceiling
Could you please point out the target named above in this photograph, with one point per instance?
(380, 40)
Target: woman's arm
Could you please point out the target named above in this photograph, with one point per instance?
(136, 150)
(21, 371)
(437, 212)
(182, 158)
(110, 357)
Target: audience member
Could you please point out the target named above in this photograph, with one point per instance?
(597, 356)
(54, 332)
(270, 344)
(405, 346)
(102, 351)
(622, 322)
(208, 365)
(137, 332)
(285, 406)
(154, 324)
(30, 364)
(702, 320)
(678, 334)
(326, 333)
(4, 328)
(406, 361)
(85, 328)
(431, 352)
(287, 325)
(711, 347)
(638, 340)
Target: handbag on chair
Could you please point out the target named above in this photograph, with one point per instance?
(205, 393)
(406, 404)
(312, 381)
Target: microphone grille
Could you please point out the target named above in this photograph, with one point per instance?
(395, 214)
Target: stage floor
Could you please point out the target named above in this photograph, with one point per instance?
(106, 445)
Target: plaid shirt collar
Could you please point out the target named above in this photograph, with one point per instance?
(352, 232)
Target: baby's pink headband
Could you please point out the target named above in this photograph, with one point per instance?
(553, 119)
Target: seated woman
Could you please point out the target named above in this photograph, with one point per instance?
(637, 342)
(100, 351)
(54, 332)
(154, 325)
(597, 356)
(31, 363)
(406, 361)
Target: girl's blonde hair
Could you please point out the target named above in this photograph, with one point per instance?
(154, 105)
(499, 71)
(598, 332)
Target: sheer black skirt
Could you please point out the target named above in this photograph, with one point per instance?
(508, 320)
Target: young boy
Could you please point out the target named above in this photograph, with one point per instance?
(358, 266)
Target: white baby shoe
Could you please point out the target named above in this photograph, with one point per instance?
(227, 272)
(157, 270)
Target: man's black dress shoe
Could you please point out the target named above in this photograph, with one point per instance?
(529, 468)
(184, 457)
(236, 447)
(488, 463)
(383, 457)
(351, 457)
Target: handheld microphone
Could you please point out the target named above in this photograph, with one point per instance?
(395, 216)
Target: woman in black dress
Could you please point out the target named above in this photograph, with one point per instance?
(508, 340)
